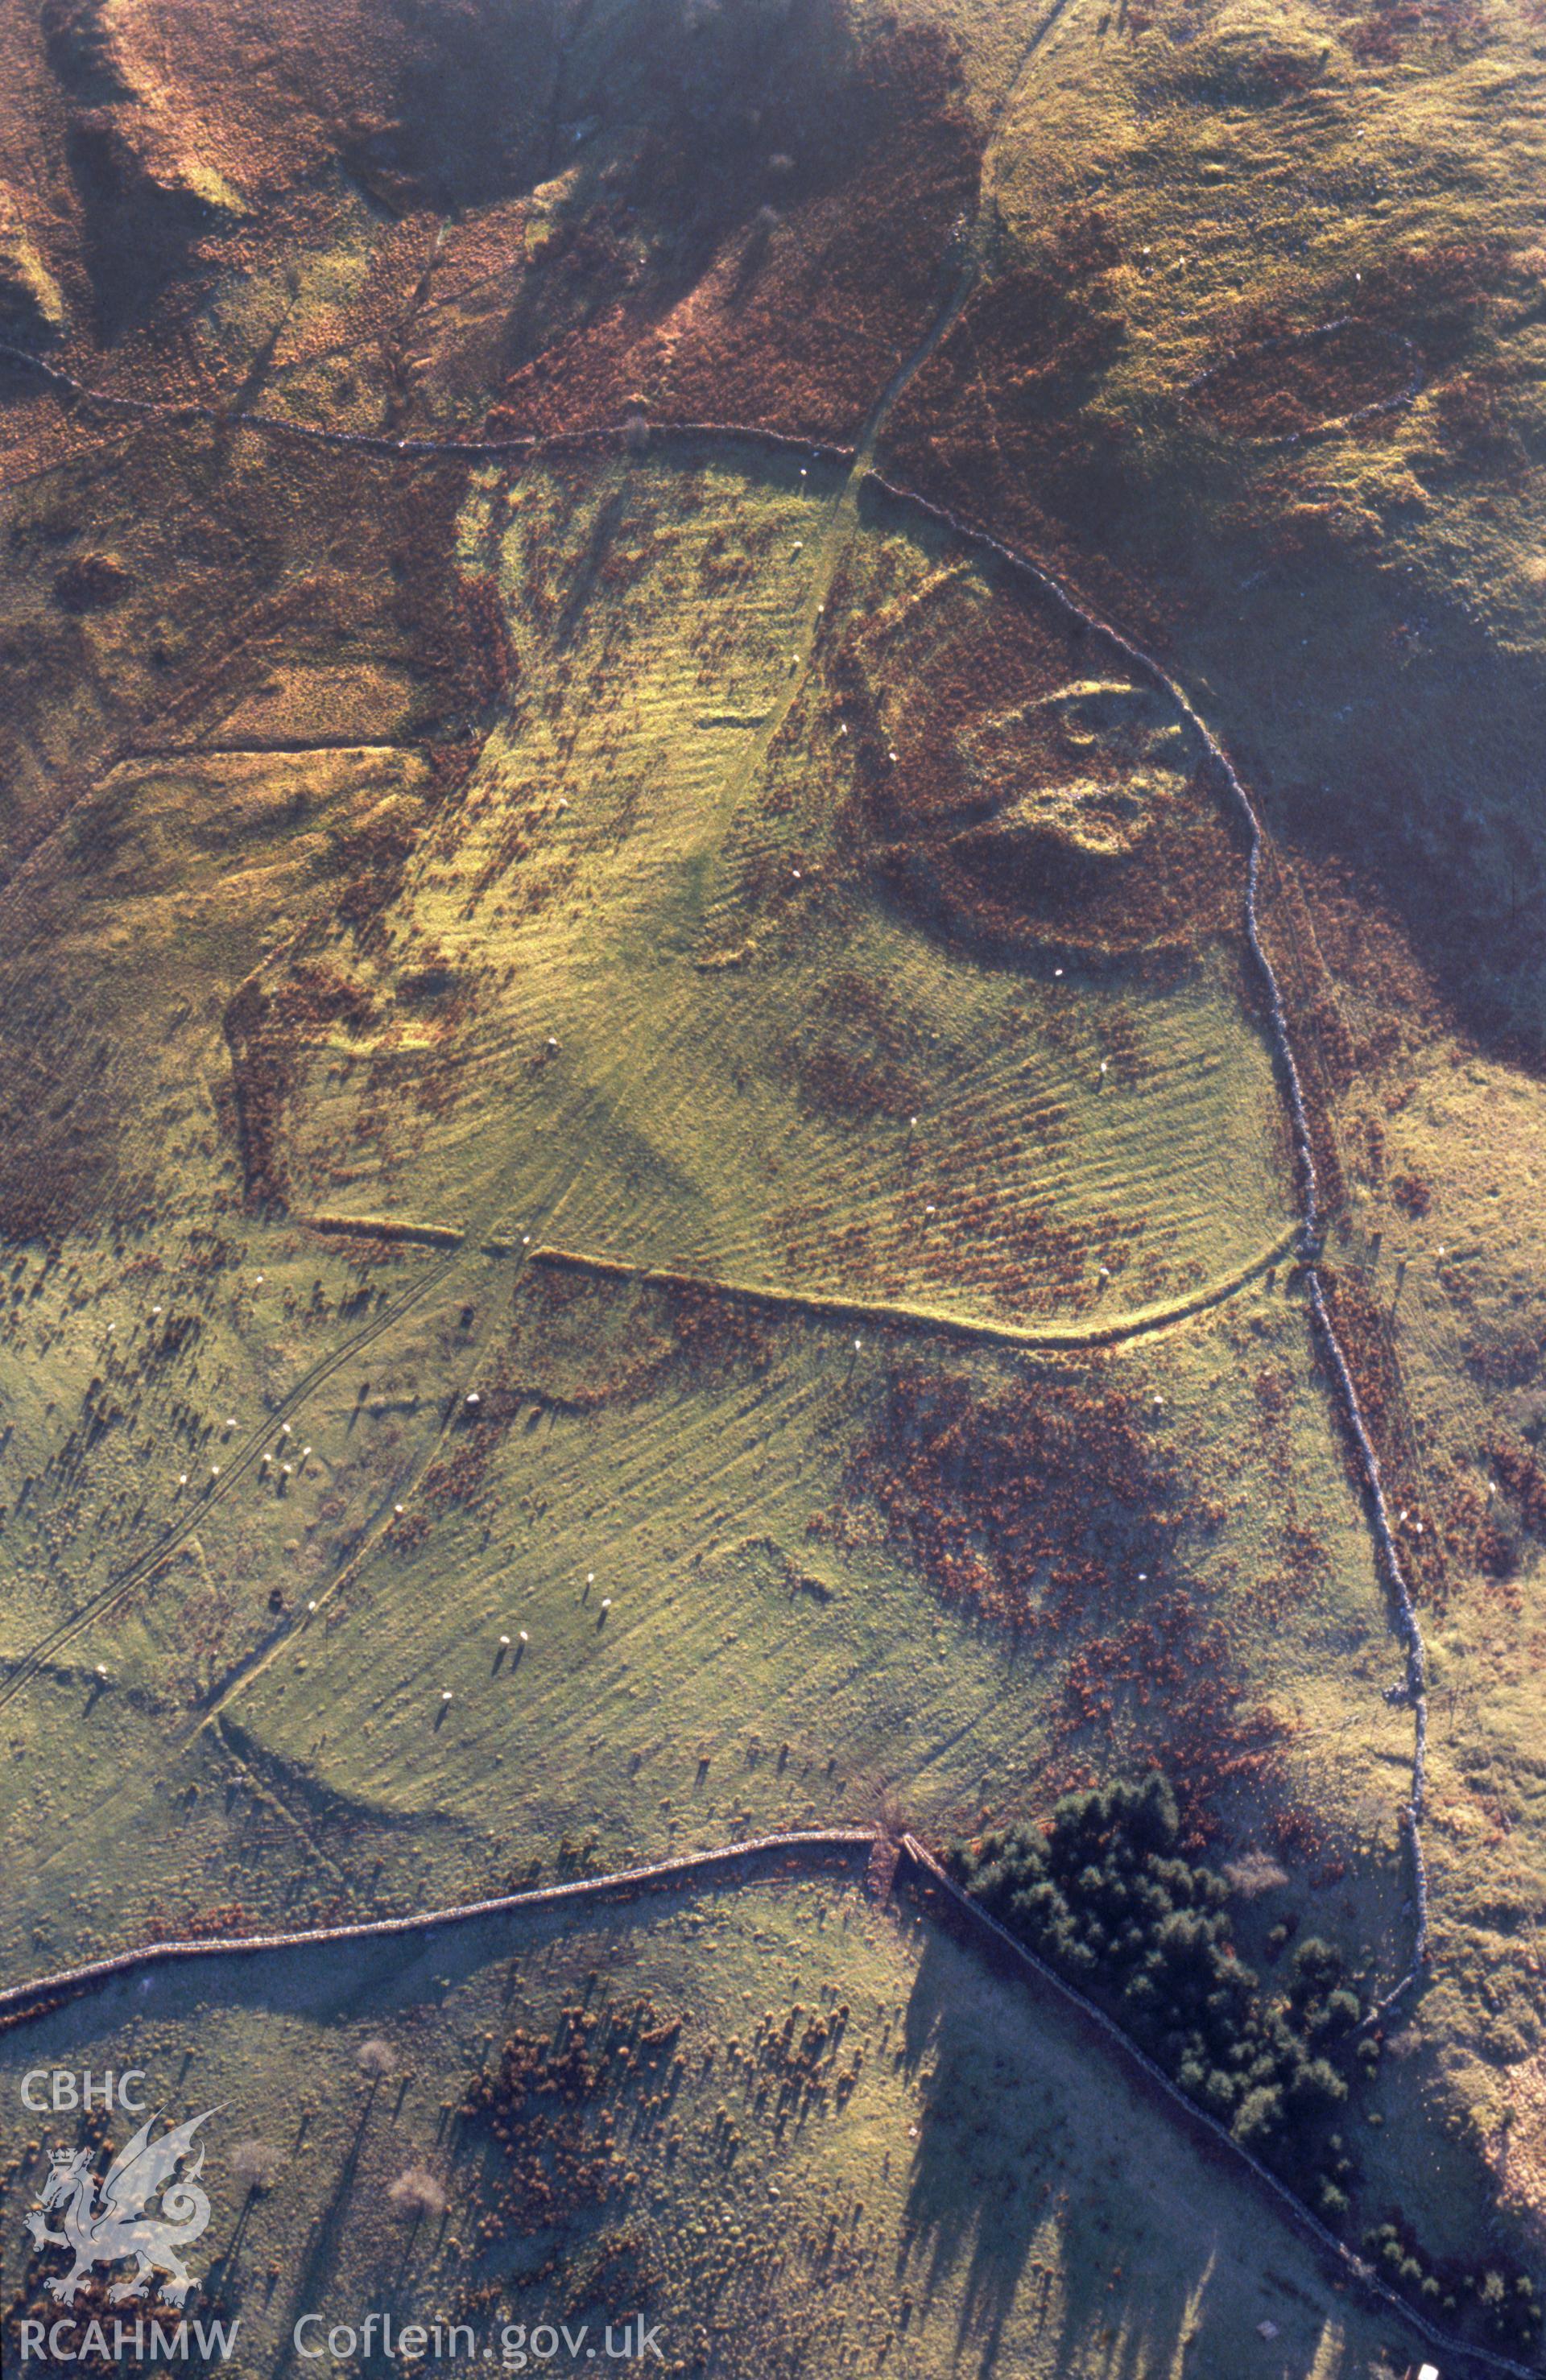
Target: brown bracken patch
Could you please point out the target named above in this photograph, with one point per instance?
(814, 235)
(1004, 423)
(1283, 385)
(1016, 786)
(1028, 354)
(1172, 1671)
(567, 2111)
(1047, 1509)
(1022, 1504)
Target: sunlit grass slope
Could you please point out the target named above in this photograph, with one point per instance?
(652, 984)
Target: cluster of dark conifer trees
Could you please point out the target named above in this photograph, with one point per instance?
(1105, 1894)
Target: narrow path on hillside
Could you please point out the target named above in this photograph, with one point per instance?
(843, 527)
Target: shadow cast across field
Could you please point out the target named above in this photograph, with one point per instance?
(322, 2248)
(978, 2216)
(1028, 2224)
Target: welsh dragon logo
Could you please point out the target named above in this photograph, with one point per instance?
(106, 2230)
